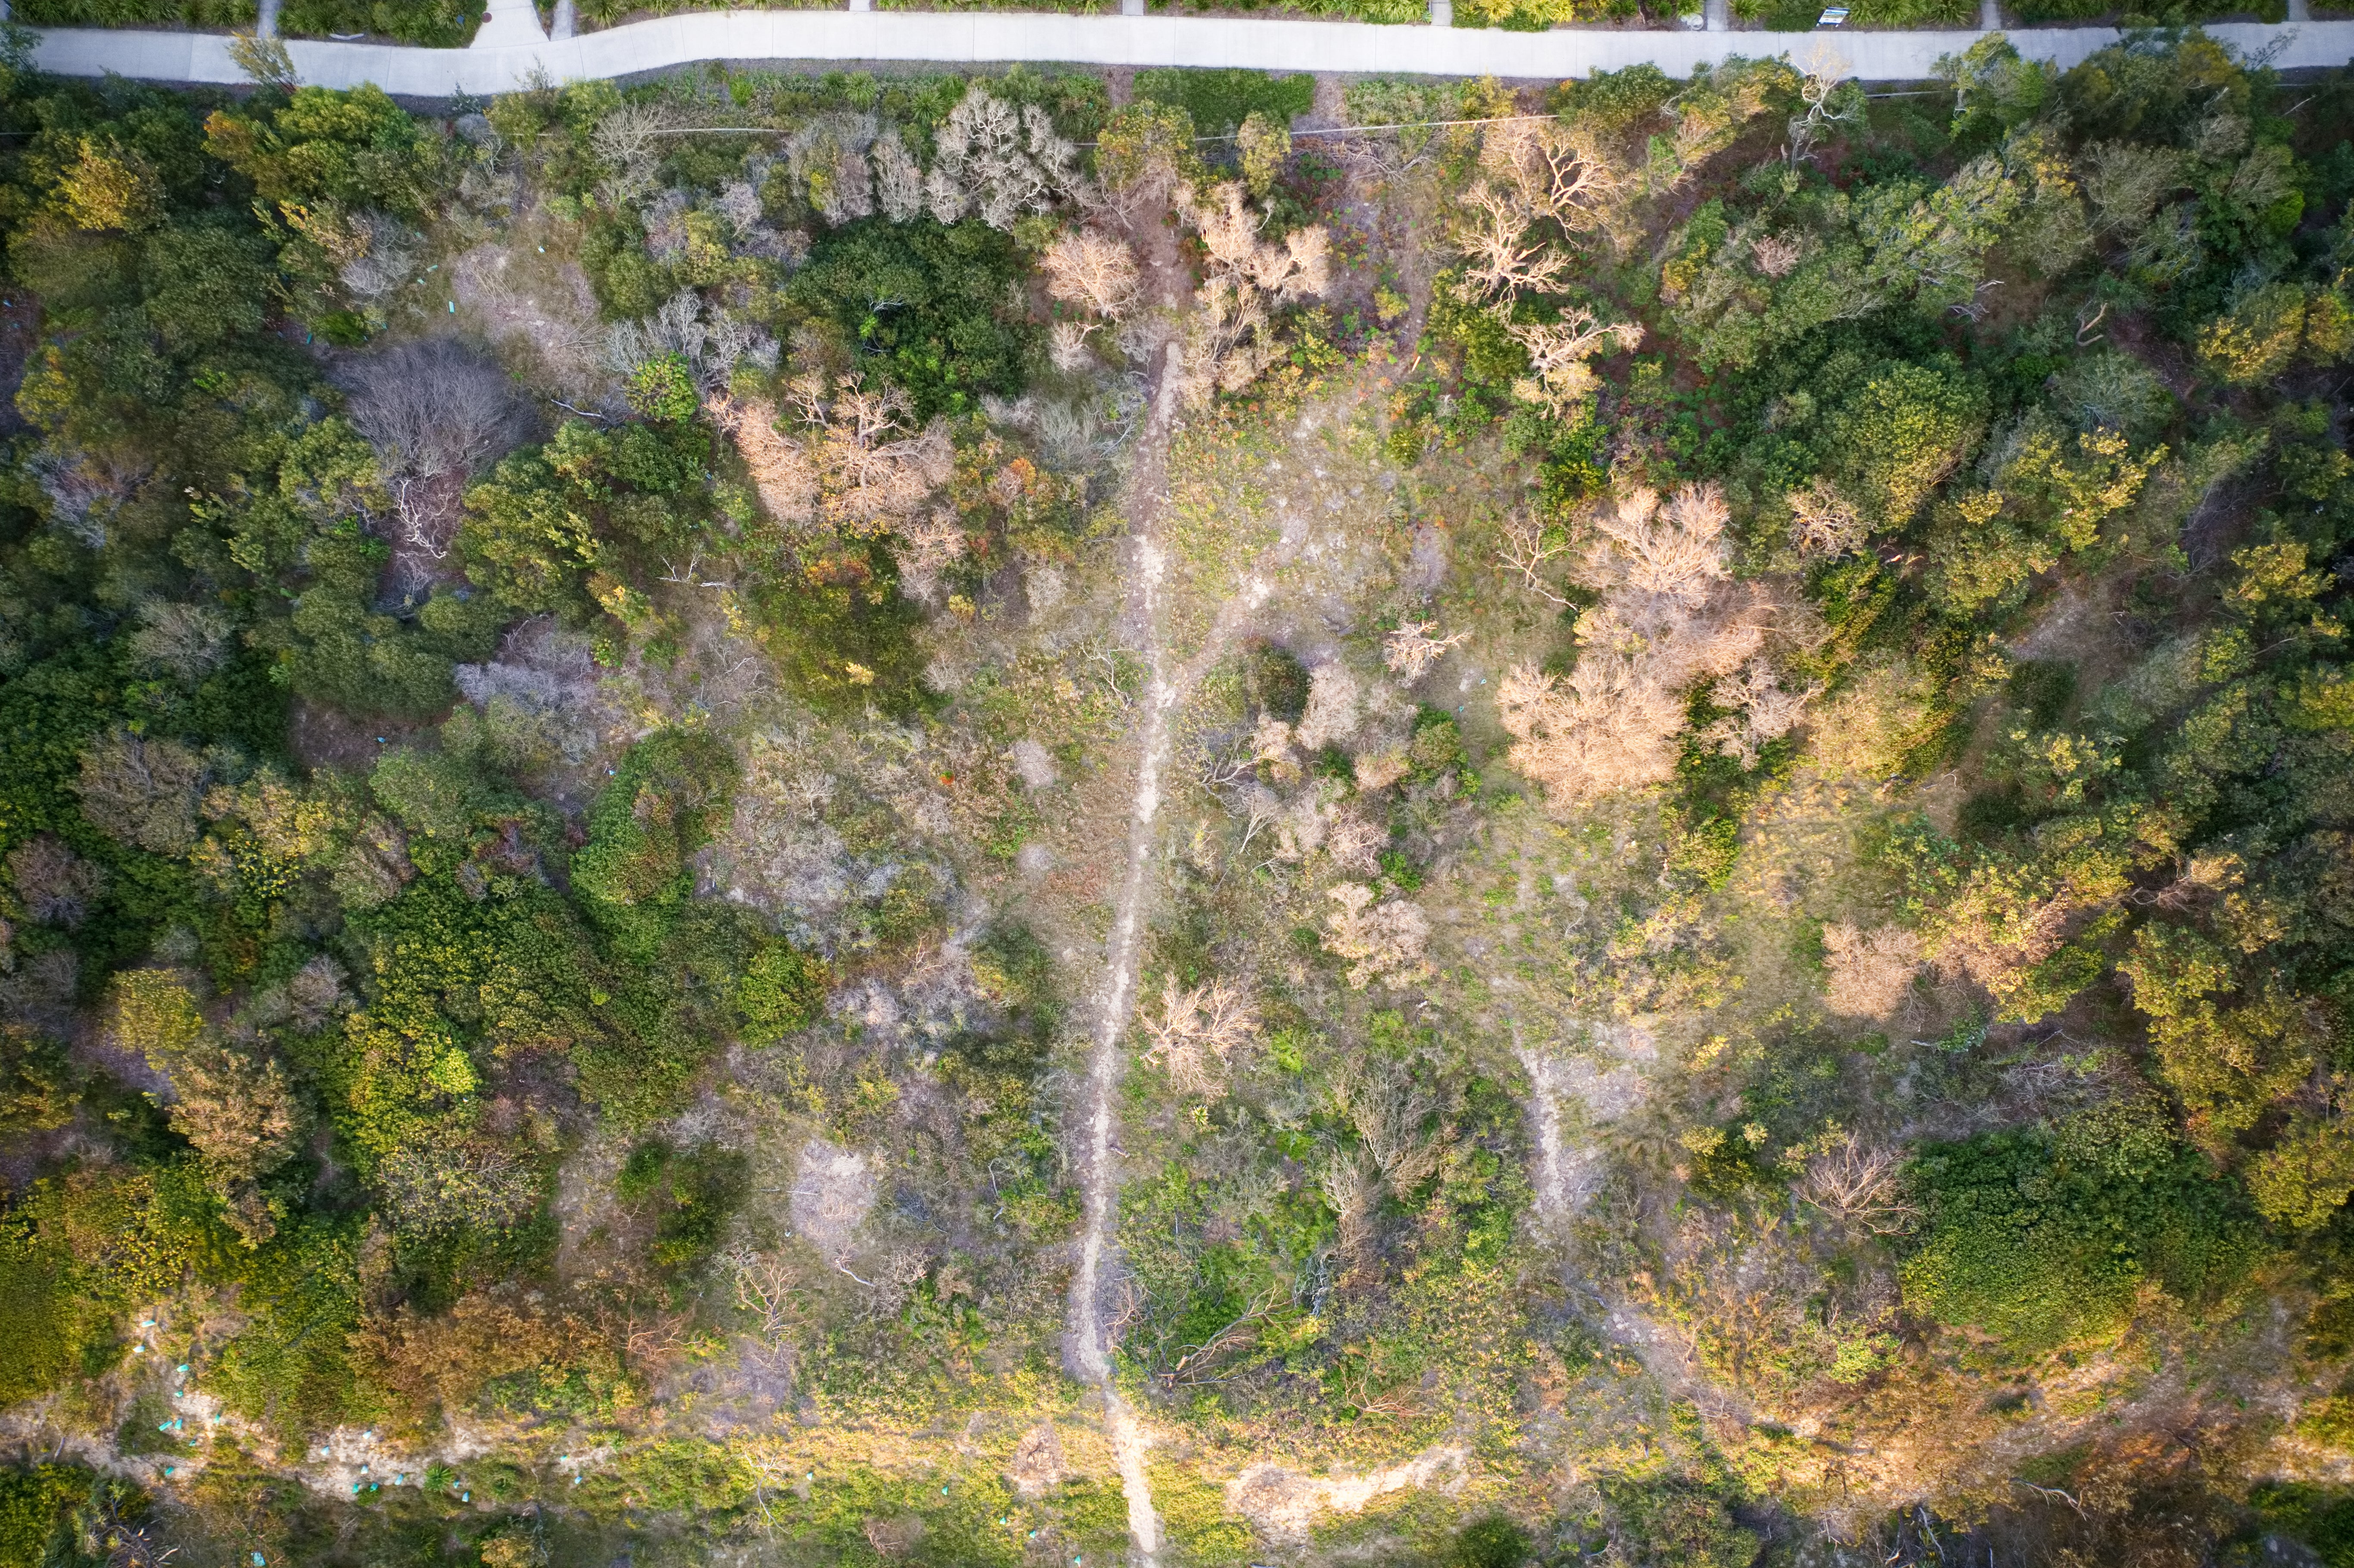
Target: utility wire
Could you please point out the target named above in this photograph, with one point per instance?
(1330, 131)
(1230, 136)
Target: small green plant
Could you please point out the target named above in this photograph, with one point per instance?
(664, 388)
(782, 990)
(1493, 1542)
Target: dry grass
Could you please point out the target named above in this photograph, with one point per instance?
(1871, 971)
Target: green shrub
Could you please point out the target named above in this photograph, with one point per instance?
(664, 388)
(782, 990)
(434, 24)
(691, 1192)
(2046, 1240)
(35, 1502)
(1220, 100)
(1493, 1542)
(202, 14)
(1613, 101)
(929, 307)
(843, 635)
(1676, 1522)
(658, 810)
(1274, 681)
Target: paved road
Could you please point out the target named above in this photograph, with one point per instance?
(512, 51)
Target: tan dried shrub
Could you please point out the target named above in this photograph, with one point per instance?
(1870, 729)
(1670, 615)
(859, 466)
(432, 1368)
(1332, 714)
(1380, 944)
(780, 466)
(1870, 970)
(1198, 1031)
(1093, 270)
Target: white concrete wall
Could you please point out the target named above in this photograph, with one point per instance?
(1001, 38)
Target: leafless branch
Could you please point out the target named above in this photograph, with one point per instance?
(1525, 550)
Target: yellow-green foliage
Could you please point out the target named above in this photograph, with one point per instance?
(1193, 1514)
(34, 1504)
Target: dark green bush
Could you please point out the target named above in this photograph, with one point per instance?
(929, 307)
(209, 14)
(1220, 100)
(434, 24)
(658, 810)
(782, 990)
(35, 1502)
(2046, 1240)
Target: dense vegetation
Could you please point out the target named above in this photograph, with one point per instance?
(1749, 940)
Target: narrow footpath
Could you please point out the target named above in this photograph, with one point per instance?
(1087, 1356)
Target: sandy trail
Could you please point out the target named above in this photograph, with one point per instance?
(1087, 1356)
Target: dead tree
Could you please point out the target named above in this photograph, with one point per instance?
(438, 415)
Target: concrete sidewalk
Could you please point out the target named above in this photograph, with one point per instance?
(516, 53)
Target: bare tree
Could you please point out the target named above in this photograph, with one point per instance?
(1861, 1186)
(1823, 522)
(1558, 351)
(188, 640)
(1555, 168)
(1527, 547)
(1237, 337)
(1411, 648)
(1503, 256)
(1670, 615)
(925, 548)
(999, 161)
(1676, 551)
(1533, 173)
(768, 1288)
(1066, 345)
(1199, 1031)
(1298, 267)
(710, 338)
(56, 885)
(625, 142)
(2127, 180)
(1092, 269)
(898, 178)
(1762, 711)
(829, 162)
(84, 491)
(142, 792)
(438, 414)
(857, 464)
(1354, 840)
(1389, 1110)
(1826, 106)
(1777, 255)
(1352, 1186)
(1333, 707)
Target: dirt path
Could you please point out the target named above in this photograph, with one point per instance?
(1086, 1355)
(1566, 1173)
